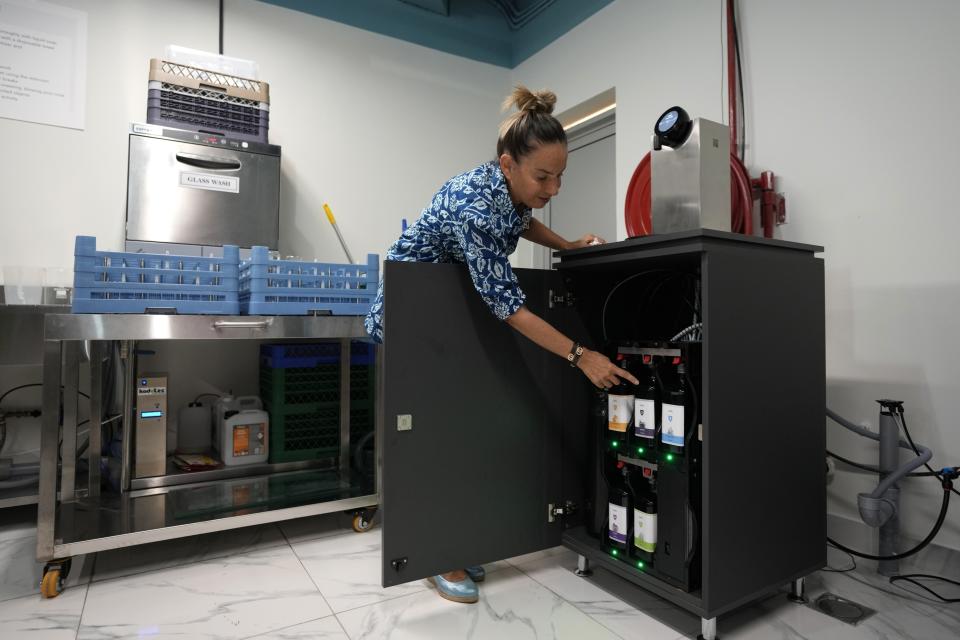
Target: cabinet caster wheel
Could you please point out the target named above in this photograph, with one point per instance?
(796, 594)
(52, 583)
(361, 523)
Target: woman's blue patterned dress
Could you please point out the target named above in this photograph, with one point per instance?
(471, 220)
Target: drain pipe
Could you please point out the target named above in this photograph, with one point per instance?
(881, 507)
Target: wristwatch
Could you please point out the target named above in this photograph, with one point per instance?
(576, 351)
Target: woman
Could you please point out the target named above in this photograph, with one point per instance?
(477, 218)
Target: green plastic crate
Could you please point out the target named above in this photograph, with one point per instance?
(304, 432)
(304, 408)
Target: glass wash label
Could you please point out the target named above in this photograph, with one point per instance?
(644, 417)
(645, 530)
(617, 527)
(671, 424)
(619, 412)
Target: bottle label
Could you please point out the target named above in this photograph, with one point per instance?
(644, 417)
(619, 412)
(645, 530)
(617, 527)
(671, 427)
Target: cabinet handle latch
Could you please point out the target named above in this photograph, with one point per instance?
(555, 511)
(561, 299)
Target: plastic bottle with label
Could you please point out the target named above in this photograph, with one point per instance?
(673, 413)
(619, 521)
(645, 524)
(643, 541)
(646, 398)
(620, 401)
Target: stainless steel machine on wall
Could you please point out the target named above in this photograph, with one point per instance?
(200, 189)
(689, 174)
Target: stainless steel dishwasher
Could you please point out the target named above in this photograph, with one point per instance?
(195, 188)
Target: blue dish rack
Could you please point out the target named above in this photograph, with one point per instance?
(305, 356)
(123, 282)
(295, 288)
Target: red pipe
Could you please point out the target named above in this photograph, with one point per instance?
(732, 81)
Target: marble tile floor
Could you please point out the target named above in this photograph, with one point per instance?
(316, 578)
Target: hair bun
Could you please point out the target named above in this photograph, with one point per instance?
(531, 101)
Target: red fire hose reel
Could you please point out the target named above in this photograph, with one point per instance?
(743, 191)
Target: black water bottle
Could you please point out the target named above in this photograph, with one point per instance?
(644, 516)
(619, 525)
(646, 399)
(673, 414)
(620, 411)
(645, 526)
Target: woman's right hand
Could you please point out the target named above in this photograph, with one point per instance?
(601, 372)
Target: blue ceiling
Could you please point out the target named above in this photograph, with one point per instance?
(500, 32)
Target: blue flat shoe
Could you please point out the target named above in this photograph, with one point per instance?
(477, 573)
(464, 591)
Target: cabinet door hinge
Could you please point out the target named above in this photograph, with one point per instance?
(554, 511)
(561, 299)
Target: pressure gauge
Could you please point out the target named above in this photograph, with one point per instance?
(673, 127)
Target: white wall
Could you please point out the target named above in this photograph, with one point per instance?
(57, 183)
(370, 124)
(832, 90)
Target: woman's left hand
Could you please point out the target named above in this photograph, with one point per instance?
(586, 241)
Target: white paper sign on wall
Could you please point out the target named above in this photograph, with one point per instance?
(43, 63)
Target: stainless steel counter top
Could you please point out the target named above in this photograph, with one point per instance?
(21, 332)
(191, 327)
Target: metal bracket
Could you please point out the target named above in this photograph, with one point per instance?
(563, 299)
(638, 462)
(554, 511)
(398, 564)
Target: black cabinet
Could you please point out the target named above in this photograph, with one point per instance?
(485, 438)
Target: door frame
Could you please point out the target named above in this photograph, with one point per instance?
(583, 135)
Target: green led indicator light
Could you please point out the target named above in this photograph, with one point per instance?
(614, 444)
(640, 449)
(640, 564)
(613, 552)
(669, 457)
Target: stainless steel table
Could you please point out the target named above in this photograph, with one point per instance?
(74, 520)
(21, 344)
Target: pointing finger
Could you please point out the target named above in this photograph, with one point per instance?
(627, 375)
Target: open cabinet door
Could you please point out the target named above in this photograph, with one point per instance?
(472, 433)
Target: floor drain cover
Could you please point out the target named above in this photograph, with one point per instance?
(842, 609)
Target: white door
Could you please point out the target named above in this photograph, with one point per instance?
(587, 202)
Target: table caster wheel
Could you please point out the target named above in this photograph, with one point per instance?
(52, 583)
(362, 523)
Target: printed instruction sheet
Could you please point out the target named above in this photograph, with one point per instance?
(43, 63)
